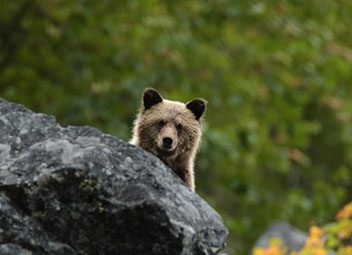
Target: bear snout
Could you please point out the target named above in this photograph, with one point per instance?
(167, 142)
(167, 139)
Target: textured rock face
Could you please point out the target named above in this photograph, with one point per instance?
(75, 190)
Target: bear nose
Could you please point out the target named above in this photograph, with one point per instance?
(167, 142)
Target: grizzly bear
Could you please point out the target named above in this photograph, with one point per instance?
(171, 130)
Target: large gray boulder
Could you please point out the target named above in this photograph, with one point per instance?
(75, 190)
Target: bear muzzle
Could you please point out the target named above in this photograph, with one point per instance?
(167, 143)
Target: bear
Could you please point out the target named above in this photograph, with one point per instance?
(171, 130)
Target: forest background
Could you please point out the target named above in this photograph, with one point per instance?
(277, 75)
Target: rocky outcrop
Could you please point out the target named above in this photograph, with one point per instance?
(75, 190)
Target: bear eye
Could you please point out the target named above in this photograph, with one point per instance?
(161, 123)
(179, 127)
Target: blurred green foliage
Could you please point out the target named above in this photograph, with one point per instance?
(277, 74)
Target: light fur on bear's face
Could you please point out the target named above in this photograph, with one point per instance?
(168, 119)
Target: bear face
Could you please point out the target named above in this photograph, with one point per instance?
(169, 128)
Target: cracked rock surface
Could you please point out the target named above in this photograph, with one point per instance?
(75, 190)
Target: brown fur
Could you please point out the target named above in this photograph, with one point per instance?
(158, 119)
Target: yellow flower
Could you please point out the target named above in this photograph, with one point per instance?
(273, 249)
(345, 229)
(258, 251)
(347, 250)
(320, 251)
(345, 212)
(315, 232)
(315, 239)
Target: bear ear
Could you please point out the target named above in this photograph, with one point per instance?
(197, 107)
(151, 97)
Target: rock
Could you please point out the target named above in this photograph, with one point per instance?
(75, 190)
(291, 238)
